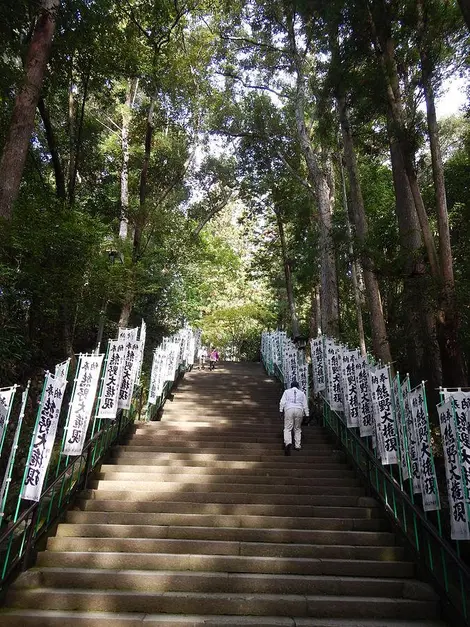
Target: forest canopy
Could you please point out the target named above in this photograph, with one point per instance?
(239, 166)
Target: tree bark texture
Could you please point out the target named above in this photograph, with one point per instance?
(126, 117)
(453, 361)
(315, 315)
(59, 175)
(420, 330)
(380, 342)
(22, 123)
(385, 49)
(465, 8)
(319, 171)
(288, 277)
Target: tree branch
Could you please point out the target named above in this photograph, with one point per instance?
(250, 86)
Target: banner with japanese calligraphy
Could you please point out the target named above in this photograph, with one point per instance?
(11, 458)
(6, 401)
(461, 402)
(384, 420)
(81, 405)
(333, 369)
(128, 371)
(43, 437)
(459, 515)
(399, 410)
(172, 355)
(108, 403)
(61, 370)
(157, 375)
(142, 338)
(411, 437)
(350, 390)
(318, 365)
(429, 490)
(364, 399)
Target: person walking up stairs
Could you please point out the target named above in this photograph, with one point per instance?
(200, 519)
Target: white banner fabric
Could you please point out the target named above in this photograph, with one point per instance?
(82, 403)
(43, 437)
(112, 379)
(366, 416)
(6, 399)
(385, 424)
(429, 490)
(459, 522)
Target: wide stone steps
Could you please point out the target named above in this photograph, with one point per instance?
(225, 563)
(256, 604)
(243, 521)
(21, 618)
(200, 519)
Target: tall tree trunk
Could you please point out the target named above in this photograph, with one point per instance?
(465, 8)
(319, 171)
(453, 361)
(78, 139)
(53, 149)
(288, 276)
(22, 123)
(354, 273)
(420, 328)
(380, 342)
(126, 311)
(385, 50)
(126, 117)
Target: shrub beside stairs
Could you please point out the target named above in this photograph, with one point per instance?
(200, 519)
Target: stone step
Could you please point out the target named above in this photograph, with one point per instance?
(226, 563)
(221, 547)
(220, 582)
(236, 462)
(249, 498)
(327, 606)
(57, 618)
(164, 443)
(207, 478)
(216, 509)
(287, 469)
(182, 453)
(230, 534)
(207, 487)
(243, 521)
(228, 451)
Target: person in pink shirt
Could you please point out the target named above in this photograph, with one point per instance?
(213, 358)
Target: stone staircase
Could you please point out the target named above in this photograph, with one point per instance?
(201, 520)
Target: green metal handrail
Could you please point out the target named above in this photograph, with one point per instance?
(437, 560)
(19, 541)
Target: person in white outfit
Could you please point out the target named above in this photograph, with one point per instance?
(295, 406)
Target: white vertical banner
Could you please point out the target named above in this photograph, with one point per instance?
(6, 401)
(128, 335)
(128, 373)
(351, 402)
(61, 370)
(411, 436)
(11, 458)
(172, 354)
(399, 410)
(318, 365)
(156, 366)
(366, 415)
(142, 338)
(108, 405)
(385, 424)
(302, 369)
(81, 405)
(191, 350)
(292, 365)
(462, 423)
(43, 437)
(459, 520)
(429, 490)
(335, 392)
